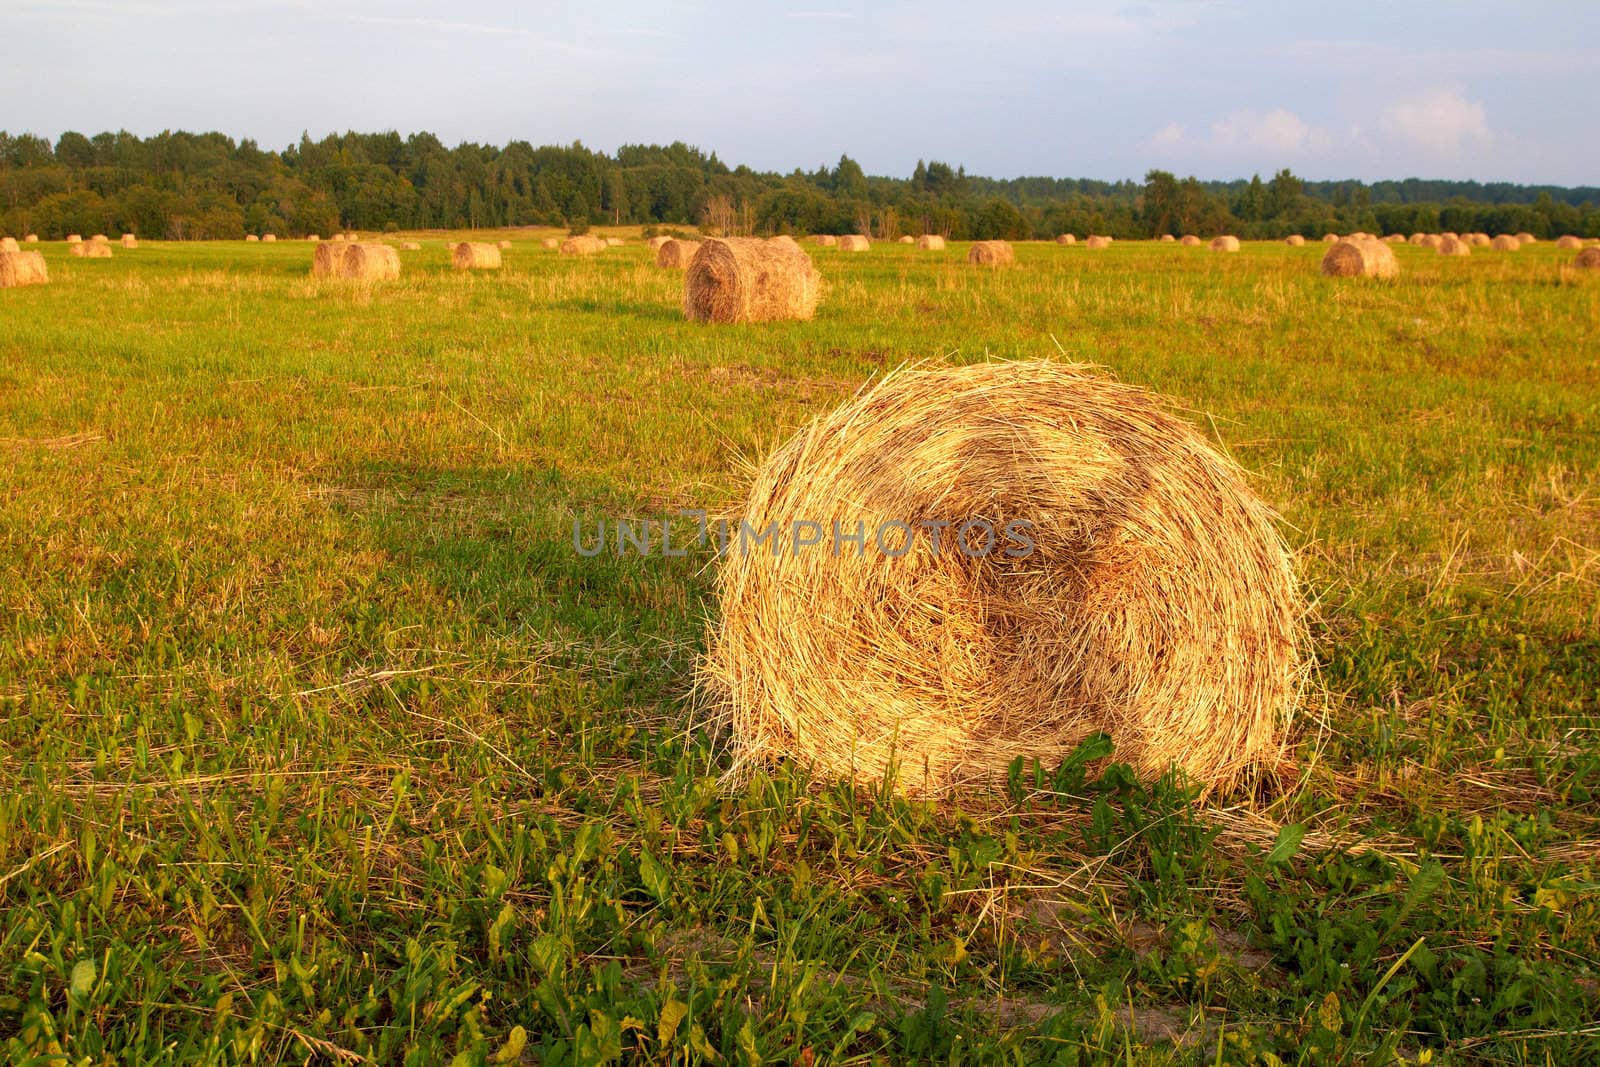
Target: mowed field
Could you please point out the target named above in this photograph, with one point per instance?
(319, 742)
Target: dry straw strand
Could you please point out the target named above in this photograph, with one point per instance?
(745, 279)
(1158, 603)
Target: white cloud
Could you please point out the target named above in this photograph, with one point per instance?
(1169, 136)
(1440, 121)
(1278, 130)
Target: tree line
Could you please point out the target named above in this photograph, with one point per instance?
(184, 186)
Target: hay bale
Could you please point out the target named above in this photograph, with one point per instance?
(9, 244)
(1419, 239)
(410, 246)
(502, 245)
(31, 239)
(826, 240)
(1096, 242)
(22, 268)
(1225, 243)
(1166, 238)
(351, 236)
(1369, 258)
(1189, 240)
(1156, 602)
(582, 246)
(677, 253)
(1066, 238)
(1588, 259)
(73, 239)
(91, 249)
(1451, 245)
(654, 242)
(1396, 239)
(475, 255)
(325, 259)
(268, 238)
(1526, 238)
(1329, 238)
(742, 279)
(854, 242)
(251, 238)
(1294, 240)
(369, 261)
(313, 238)
(1359, 235)
(100, 239)
(613, 242)
(1477, 240)
(1431, 240)
(785, 240)
(551, 242)
(1504, 243)
(1451, 235)
(907, 239)
(130, 241)
(1566, 242)
(931, 242)
(991, 253)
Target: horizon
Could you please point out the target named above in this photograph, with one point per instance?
(1220, 89)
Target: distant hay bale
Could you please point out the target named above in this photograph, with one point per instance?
(369, 261)
(268, 238)
(351, 236)
(1453, 236)
(1419, 238)
(251, 238)
(551, 242)
(410, 246)
(676, 253)
(1066, 238)
(1588, 259)
(502, 245)
(1155, 601)
(1359, 235)
(130, 241)
(1450, 245)
(92, 249)
(1431, 240)
(742, 279)
(1225, 243)
(1505, 243)
(991, 253)
(655, 243)
(582, 245)
(475, 255)
(1527, 238)
(854, 242)
(931, 242)
(826, 240)
(1566, 242)
(784, 239)
(907, 239)
(9, 244)
(612, 242)
(1477, 240)
(1189, 240)
(1360, 258)
(73, 239)
(313, 238)
(1096, 242)
(22, 268)
(1396, 238)
(100, 239)
(1166, 238)
(31, 239)
(1295, 240)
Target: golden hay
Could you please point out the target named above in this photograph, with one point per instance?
(31, 239)
(551, 242)
(1066, 238)
(268, 238)
(1396, 238)
(1452, 236)
(655, 243)
(991, 253)
(1477, 240)
(251, 237)
(503, 244)
(931, 242)
(1419, 238)
(369, 261)
(100, 239)
(1588, 259)
(9, 244)
(1295, 240)
(744, 279)
(677, 253)
(1351, 258)
(582, 246)
(91, 250)
(784, 239)
(22, 268)
(1453, 246)
(348, 236)
(410, 246)
(73, 239)
(1527, 238)
(612, 242)
(313, 238)
(1166, 238)
(130, 241)
(1154, 599)
(1566, 242)
(1225, 243)
(1431, 240)
(1097, 242)
(907, 239)
(1189, 240)
(826, 240)
(1359, 235)
(1505, 243)
(854, 242)
(475, 255)
(1330, 237)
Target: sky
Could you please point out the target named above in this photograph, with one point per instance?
(1215, 88)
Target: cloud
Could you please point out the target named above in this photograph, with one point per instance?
(1438, 120)
(1169, 136)
(819, 14)
(1278, 130)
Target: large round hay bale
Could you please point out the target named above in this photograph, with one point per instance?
(9, 244)
(91, 249)
(582, 245)
(931, 242)
(130, 241)
(655, 243)
(1166, 238)
(268, 238)
(991, 253)
(854, 242)
(1294, 240)
(475, 255)
(325, 258)
(1431, 240)
(1225, 243)
(1477, 240)
(1450, 245)
(1096, 242)
(1526, 238)
(251, 238)
(1419, 239)
(826, 240)
(907, 239)
(1452, 235)
(22, 268)
(1189, 240)
(1505, 243)
(1588, 259)
(676, 253)
(100, 239)
(31, 239)
(1396, 239)
(1098, 566)
(369, 261)
(73, 239)
(1369, 258)
(1329, 238)
(1066, 238)
(1566, 242)
(743, 279)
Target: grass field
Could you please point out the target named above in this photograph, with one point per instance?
(320, 742)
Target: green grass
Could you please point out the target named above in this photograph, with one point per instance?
(320, 742)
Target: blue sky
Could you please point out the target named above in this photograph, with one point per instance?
(1218, 88)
